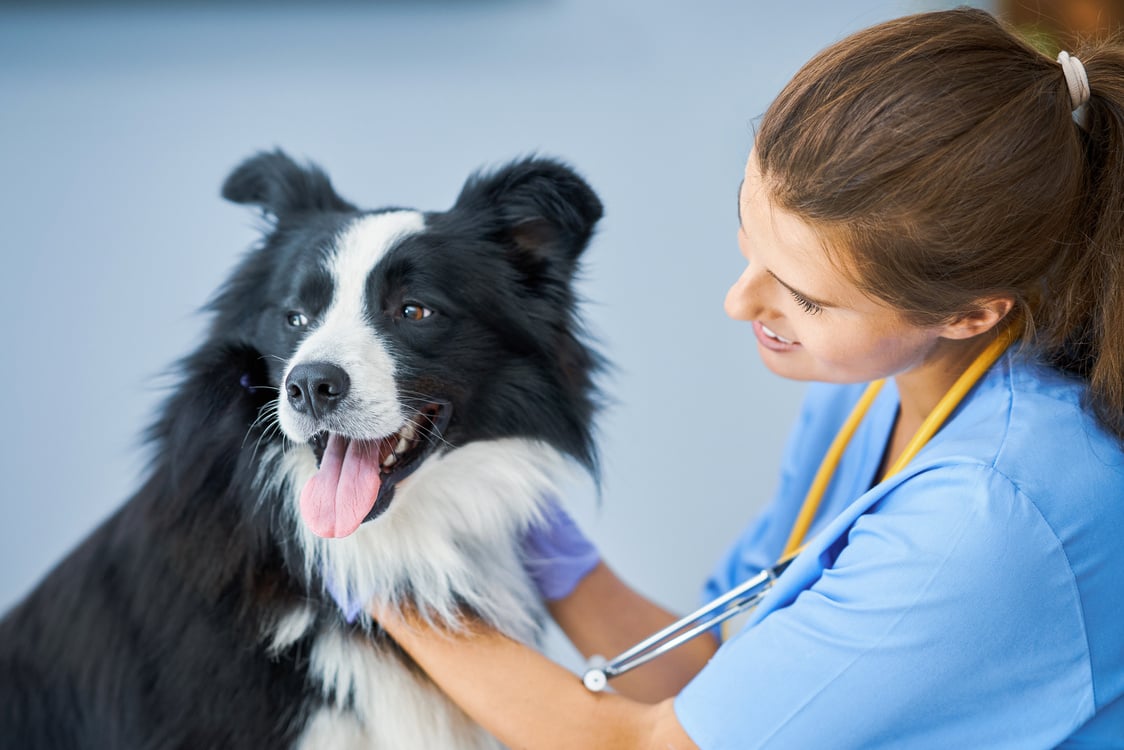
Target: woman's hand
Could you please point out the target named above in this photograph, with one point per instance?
(523, 698)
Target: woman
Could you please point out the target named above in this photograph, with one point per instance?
(920, 193)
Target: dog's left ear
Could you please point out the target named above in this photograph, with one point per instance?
(540, 208)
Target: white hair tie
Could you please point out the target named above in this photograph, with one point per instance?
(1078, 84)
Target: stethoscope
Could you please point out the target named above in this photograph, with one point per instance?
(747, 595)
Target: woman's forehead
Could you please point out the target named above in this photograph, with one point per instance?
(792, 249)
(764, 221)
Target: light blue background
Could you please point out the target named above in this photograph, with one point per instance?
(119, 124)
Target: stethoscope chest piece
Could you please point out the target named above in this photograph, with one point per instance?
(595, 679)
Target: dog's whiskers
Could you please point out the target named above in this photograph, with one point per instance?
(426, 428)
(266, 421)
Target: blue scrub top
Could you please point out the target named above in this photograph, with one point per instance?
(975, 599)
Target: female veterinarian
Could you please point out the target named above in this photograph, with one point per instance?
(920, 195)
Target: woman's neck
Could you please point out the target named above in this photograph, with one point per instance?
(923, 386)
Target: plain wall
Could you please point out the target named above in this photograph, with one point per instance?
(119, 123)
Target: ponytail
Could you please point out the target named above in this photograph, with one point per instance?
(1083, 318)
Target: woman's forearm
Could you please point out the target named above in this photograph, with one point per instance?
(604, 616)
(526, 700)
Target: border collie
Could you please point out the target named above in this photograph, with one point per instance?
(381, 404)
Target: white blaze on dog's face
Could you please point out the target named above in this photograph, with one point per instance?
(340, 383)
(345, 337)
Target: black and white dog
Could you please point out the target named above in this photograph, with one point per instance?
(382, 402)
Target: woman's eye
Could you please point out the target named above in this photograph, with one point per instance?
(809, 306)
(297, 319)
(411, 311)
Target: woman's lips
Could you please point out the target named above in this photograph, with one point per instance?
(771, 340)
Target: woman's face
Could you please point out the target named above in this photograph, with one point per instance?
(810, 321)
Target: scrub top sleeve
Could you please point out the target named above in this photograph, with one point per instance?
(933, 628)
(824, 409)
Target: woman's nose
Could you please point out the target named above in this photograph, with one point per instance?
(743, 301)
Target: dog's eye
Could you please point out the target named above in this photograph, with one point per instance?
(411, 311)
(297, 319)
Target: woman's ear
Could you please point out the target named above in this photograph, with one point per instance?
(987, 314)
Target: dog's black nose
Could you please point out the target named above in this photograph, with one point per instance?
(316, 388)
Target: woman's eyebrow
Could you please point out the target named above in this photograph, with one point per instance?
(798, 293)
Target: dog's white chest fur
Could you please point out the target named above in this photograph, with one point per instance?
(451, 539)
(374, 702)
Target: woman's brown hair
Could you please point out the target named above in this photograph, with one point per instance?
(940, 152)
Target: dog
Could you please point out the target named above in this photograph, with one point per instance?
(380, 407)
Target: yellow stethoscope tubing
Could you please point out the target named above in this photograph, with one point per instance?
(745, 596)
(929, 427)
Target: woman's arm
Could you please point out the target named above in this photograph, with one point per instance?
(604, 616)
(526, 700)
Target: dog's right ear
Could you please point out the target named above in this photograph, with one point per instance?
(281, 187)
(540, 208)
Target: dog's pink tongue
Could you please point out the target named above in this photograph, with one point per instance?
(340, 495)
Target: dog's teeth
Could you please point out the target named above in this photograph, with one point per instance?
(408, 432)
(403, 444)
(390, 460)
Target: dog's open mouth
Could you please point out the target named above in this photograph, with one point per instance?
(356, 478)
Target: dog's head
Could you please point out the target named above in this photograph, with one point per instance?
(394, 334)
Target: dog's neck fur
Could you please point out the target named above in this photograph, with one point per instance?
(457, 522)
